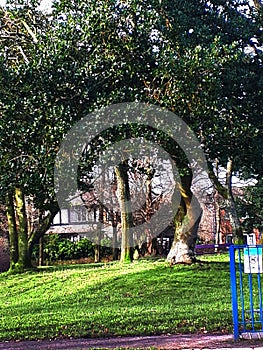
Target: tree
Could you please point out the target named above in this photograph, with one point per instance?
(120, 194)
(129, 47)
(216, 85)
(123, 189)
(93, 54)
(26, 134)
(149, 52)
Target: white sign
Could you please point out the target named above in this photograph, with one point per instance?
(253, 260)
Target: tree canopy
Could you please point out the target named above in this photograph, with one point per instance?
(202, 60)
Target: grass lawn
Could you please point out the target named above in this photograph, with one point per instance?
(145, 297)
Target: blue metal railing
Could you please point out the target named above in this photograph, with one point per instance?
(246, 289)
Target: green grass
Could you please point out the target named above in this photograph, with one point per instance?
(145, 297)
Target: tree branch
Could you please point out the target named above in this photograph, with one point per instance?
(222, 190)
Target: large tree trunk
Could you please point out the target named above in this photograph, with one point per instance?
(149, 212)
(21, 242)
(13, 239)
(186, 224)
(24, 260)
(123, 191)
(44, 223)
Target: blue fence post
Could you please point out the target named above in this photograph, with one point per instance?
(234, 291)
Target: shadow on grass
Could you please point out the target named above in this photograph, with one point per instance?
(154, 299)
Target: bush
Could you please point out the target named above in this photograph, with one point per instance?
(58, 248)
(83, 249)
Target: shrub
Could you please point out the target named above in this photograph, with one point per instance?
(83, 249)
(59, 248)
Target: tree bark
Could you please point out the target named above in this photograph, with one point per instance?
(41, 252)
(148, 212)
(123, 191)
(148, 202)
(13, 239)
(186, 224)
(44, 224)
(97, 253)
(21, 243)
(233, 217)
(218, 235)
(97, 256)
(114, 220)
(24, 260)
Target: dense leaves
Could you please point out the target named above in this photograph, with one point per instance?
(202, 60)
(57, 248)
(250, 207)
(189, 58)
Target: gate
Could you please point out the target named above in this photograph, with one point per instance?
(246, 288)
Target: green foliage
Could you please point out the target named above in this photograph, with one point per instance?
(250, 207)
(190, 58)
(58, 248)
(29, 130)
(146, 297)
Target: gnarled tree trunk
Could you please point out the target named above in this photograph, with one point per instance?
(186, 224)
